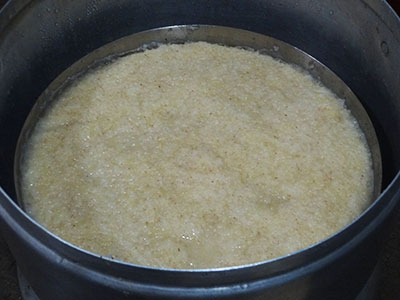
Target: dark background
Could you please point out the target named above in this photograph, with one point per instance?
(389, 288)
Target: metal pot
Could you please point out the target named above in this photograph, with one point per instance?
(356, 39)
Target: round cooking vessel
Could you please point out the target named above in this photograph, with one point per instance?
(358, 40)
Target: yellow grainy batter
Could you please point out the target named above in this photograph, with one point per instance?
(196, 156)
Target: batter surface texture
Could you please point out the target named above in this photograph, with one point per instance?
(196, 156)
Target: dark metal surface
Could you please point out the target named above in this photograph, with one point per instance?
(369, 291)
(357, 39)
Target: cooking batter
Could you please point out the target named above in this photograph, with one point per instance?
(196, 156)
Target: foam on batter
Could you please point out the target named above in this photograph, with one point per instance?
(196, 156)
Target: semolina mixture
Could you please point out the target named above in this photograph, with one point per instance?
(196, 156)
